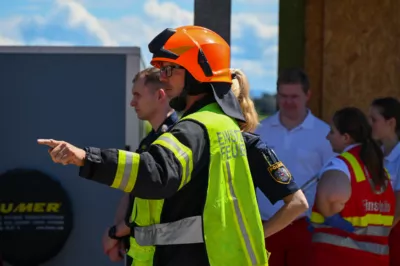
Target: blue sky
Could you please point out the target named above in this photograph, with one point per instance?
(135, 22)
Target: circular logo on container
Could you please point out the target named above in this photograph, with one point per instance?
(35, 217)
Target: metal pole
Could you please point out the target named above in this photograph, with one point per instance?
(214, 15)
(309, 183)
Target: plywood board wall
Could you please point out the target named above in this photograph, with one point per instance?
(352, 52)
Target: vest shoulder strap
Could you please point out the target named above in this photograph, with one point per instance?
(355, 167)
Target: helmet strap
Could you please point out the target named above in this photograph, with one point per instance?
(178, 103)
(191, 87)
(194, 87)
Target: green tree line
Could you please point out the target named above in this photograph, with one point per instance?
(265, 104)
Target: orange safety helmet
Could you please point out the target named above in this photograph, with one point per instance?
(202, 52)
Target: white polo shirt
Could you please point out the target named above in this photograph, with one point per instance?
(392, 164)
(304, 150)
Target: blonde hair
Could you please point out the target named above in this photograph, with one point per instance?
(241, 89)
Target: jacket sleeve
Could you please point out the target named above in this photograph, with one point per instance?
(165, 168)
(269, 174)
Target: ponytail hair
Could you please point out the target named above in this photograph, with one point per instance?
(241, 89)
(352, 121)
(372, 156)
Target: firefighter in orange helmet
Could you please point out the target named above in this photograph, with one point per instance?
(195, 65)
(195, 61)
(195, 201)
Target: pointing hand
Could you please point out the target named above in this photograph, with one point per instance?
(64, 152)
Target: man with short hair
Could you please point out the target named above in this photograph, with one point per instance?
(299, 139)
(151, 104)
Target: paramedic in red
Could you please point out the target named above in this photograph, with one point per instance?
(385, 122)
(355, 202)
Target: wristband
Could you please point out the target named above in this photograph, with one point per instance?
(112, 233)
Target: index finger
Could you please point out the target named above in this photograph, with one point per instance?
(49, 142)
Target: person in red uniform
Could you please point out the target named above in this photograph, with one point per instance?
(385, 122)
(355, 202)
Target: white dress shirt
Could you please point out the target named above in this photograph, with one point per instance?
(304, 150)
(392, 164)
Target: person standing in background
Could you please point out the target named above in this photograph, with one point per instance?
(299, 139)
(151, 104)
(269, 174)
(354, 207)
(384, 115)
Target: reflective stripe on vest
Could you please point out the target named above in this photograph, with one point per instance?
(368, 219)
(128, 166)
(147, 212)
(230, 228)
(144, 213)
(374, 225)
(358, 171)
(371, 230)
(350, 243)
(185, 231)
(128, 163)
(181, 152)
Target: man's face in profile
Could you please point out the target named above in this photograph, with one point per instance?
(145, 99)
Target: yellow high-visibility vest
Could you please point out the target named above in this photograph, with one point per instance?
(230, 225)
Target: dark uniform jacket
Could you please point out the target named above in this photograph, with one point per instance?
(159, 177)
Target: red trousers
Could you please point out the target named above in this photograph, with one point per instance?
(328, 255)
(394, 246)
(290, 246)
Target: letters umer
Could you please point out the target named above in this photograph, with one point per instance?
(231, 144)
(30, 207)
